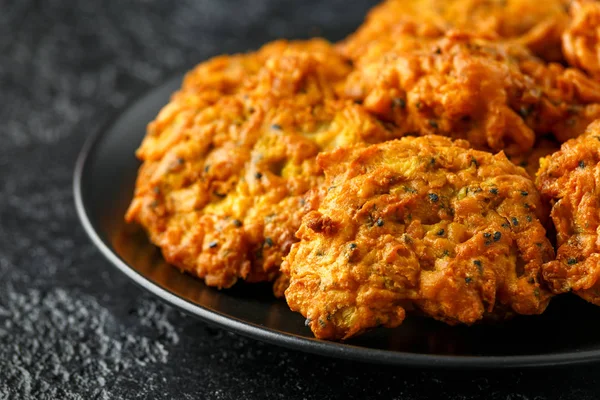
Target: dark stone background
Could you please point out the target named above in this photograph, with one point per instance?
(71, 326)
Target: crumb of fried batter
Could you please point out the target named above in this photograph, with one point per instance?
(227, 162)
(569, 179)
(423, 222)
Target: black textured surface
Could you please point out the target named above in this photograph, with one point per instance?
(72, 327)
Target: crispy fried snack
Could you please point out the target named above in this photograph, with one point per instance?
(529, 22)
(422, 222)
(581, 40)
(226, 163)
(498, 96)
(569, 180)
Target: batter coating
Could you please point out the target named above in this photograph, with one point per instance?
(228, 160)
(529, 22)
(422, 222)
(570, 179)
(581, 40)
(497, 96)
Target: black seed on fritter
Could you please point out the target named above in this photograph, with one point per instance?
(515, 221)
(220, 195)
(399, 102)
(487, 235)
(497, 236)
(504, 225)
(380, 222)
(494, 190)
(206, 168)
(441, 232)
(180, 161)
(258, 175)
(571, 261)
(524, 193)
(581, 164)
(276, 127)
(268, 242)
(237, 223)
(438, 51)
(468, 279)
(433, 197)
(524, 111)
(213, 244)
(353, 246)
(528, 218)
(474, 162)
(433, 124)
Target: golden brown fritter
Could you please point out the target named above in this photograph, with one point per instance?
(529, 22)
(422, 222)
(497, 96)
(228, 160)
(581, 40)
(570, 180)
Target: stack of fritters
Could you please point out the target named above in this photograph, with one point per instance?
(394, 171)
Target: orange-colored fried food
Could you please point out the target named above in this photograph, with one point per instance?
(419, 222)
(226, 163)
(570, 180)
(581, 40)
(529, 22)
(497, 96)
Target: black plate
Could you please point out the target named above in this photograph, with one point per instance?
(104, 179)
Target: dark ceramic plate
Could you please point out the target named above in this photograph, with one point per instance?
(567, 333)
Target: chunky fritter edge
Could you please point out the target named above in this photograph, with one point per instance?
(570, 180)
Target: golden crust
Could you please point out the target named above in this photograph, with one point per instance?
(422, 222)
(228, 160)
(569, 179)
(528, 22)
(581, 40)
(495, 95)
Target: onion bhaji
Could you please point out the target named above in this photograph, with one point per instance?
(226, 163)
(498, 96)
(570, 180)
(417, 222)
(581, 40)
(536, 25)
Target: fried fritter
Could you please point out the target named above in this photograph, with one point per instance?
(423, 222)
(570, 180)
(226, 163)
(581, 40)
(498, 96)
(529, 22)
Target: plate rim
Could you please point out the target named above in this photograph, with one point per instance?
(280, 338)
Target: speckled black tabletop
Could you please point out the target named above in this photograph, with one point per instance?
(71, 326)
